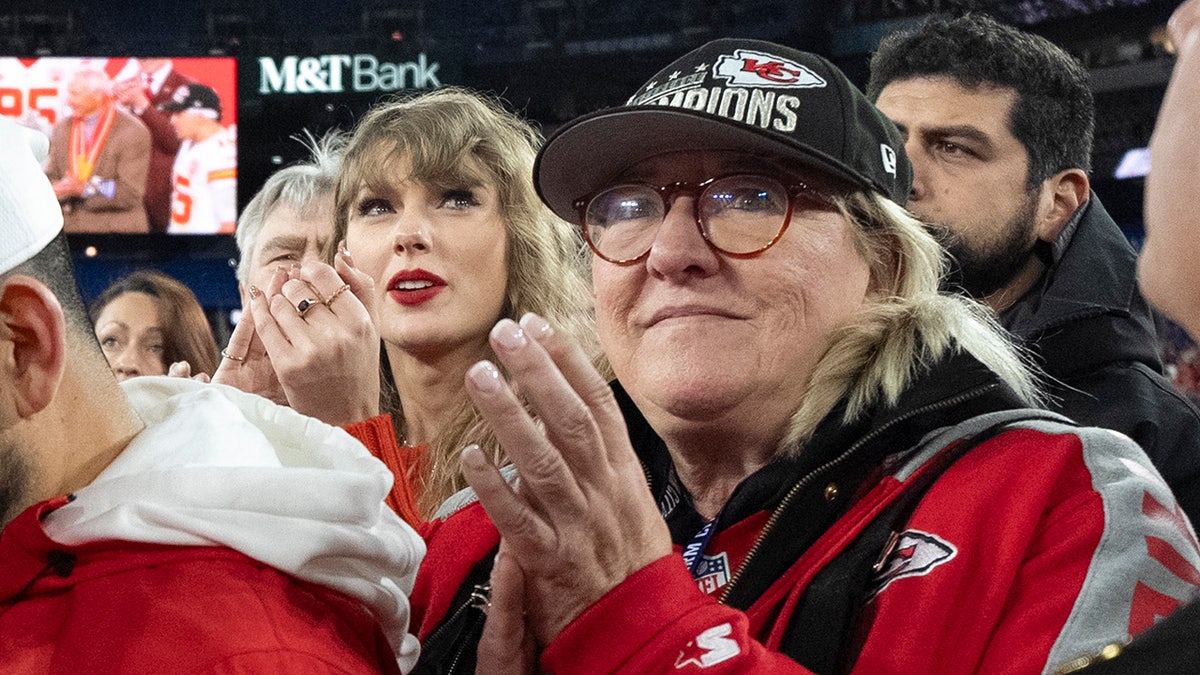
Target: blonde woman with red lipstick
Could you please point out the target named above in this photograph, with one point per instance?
(442, 234)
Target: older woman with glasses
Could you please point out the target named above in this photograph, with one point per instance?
(811, 460)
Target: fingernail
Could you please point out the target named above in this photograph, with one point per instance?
(473, 457)
(254, 292)
(509, 335)
(485, 376)
(536, 326)
(176, 369)
(345, 252)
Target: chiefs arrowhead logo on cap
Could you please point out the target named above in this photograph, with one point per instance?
(750, 68)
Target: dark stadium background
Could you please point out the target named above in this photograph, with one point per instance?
(552, 60)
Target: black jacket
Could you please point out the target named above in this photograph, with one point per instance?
(1094, 334)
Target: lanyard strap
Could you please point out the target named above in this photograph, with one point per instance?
(83, 153)
(692, 552)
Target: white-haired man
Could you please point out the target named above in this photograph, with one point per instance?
(99, 158)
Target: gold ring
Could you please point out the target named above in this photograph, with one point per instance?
(304, 305)
(225, 353)
(343, 289)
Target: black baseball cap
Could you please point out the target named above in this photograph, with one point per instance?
(731, 94)
(194, 97)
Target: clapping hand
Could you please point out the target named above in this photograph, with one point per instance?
(317, 326)
(582, 518)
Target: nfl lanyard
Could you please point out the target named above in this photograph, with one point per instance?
(693, 556)
(692, 552)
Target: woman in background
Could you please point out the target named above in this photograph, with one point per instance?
(147, 321)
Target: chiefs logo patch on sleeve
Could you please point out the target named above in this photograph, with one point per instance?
(911, 553)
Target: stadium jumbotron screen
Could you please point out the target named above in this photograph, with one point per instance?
(137, 145)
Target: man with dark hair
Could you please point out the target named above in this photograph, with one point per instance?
(165, 525)
(204, 177)
(998, 124)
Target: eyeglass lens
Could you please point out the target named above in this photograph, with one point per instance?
(737, 214)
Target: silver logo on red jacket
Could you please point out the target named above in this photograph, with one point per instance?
(912, 554)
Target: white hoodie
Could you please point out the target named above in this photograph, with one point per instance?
(216, 466)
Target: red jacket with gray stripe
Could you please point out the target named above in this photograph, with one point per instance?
(1039, 546)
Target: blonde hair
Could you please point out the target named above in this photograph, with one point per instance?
(450, 137)
(906, 327)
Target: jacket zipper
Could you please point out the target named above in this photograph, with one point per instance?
(833, 463)
(480, 596)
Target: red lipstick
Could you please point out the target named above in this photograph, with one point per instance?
(414, 287)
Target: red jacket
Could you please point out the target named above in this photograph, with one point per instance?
(1043, 544)
(188, 609)
(229, 535)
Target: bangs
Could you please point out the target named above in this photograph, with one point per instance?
(438, 165)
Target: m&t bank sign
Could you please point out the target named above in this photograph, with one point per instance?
(337, 73)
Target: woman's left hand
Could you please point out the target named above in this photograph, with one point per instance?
(318, 329)
(582, 519)
(244, 361)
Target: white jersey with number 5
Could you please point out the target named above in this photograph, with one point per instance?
(204, 199)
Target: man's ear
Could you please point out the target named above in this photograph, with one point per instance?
(32, 320)
(1061, 196)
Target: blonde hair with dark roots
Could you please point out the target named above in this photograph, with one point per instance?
(906, 326)
(451, 137)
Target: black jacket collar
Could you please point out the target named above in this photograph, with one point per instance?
(955, 388)
(1087, 310)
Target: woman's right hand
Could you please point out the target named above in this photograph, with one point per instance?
(326, 357)
(582, 519)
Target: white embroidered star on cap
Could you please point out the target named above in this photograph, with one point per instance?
(30, 216)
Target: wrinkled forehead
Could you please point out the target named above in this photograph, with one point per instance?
(310, 221)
